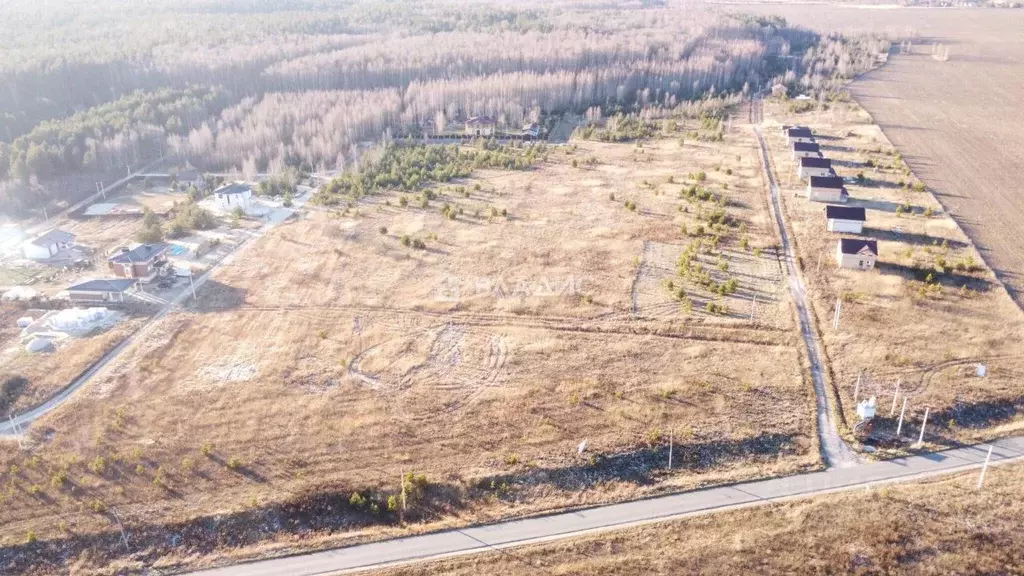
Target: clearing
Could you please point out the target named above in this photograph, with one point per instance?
(332, 358)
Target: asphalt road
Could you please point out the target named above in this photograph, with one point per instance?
(834, 449)
(616, 516)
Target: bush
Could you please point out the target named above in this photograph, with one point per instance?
(392, 503)
(234, 462)
(383, 230)
(206, 449)
(98, 465)
(406, 241)
(30, 537)
(356, 500)
(403, 201)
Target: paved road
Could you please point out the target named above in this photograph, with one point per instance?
(18, 424)
(569, 524)
(834, 449)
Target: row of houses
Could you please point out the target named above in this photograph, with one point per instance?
(487, 126)
(824, 185)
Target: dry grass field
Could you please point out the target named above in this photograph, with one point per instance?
(941, 526)
(329, 358)
(929, 312)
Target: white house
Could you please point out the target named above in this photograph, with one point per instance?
(234, 195)
(480, 126)
(856, 254)
(112, 290)
(806, 150)
(811, 166)
(845, 219)
(799, 134)
(47, 245)
(826, 189)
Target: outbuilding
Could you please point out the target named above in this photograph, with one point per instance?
(826, 189)
(811, 166)
(48, 245)
(234, 195)
(845, 219)
(856, 254)
(112, 290)
(800, 134)
(806, 150)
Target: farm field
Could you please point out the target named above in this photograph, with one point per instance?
(929, 312)
(332, 359)
(945, 525)
(953, 120)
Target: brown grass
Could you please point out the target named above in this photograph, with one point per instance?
(271, 374)
(941, 526)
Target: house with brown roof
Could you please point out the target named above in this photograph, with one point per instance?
(142, 263)
(480, 126)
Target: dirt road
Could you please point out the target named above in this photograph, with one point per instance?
(834, 449)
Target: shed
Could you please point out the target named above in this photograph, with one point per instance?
(812, 166)
(856, 254)
(800, 134)
(845, 219)
(826, 189)
(112, 290)
(806, 150)
(47, 245)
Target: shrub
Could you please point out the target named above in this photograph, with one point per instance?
(744, 243)
(383, 230)
(611, 196)
(392, 503)
(322, 334)
(59, 478)
(234, 462)
(98, 465)
(30, 537)
(356, 500)
(206, 449)
(187, 465)
(98, 506)
(757, 252)
(403, 201)
(512, 459)
(419, 244)
(406, 241)
(287, 200)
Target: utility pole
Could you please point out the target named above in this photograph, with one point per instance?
(899, 427)
(753, 308)
(895, 396)
(835, 319)
(856, 388)
(192, 283)
(669, 449)
(401, 513)
(984, 467)
(920, 438)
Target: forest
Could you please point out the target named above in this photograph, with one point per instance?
(252, 88)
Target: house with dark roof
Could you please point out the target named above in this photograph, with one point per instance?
(142, 263)
(188, 178)
(480, 126)
(845, 219)
(47, 245)
(856, 254)
(811, 166)
(94, 291)
(826, 189)
(806, 150)
(799, 134)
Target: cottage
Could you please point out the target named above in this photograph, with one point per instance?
(811, 166)
(48, 245)
(826, 189)
(142, 263)
(856, 254)
(480, 126)
(112, 290)
(234, 195)
(799, 134)
(806, 150)
(845, 219)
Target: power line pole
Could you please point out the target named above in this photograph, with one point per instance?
(669, 449)
(835, 318)
(984, 467)
(895, 396)
(856, 388)
(899, 427)
(920, 437)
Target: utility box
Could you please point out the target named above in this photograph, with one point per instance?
(866, 408)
